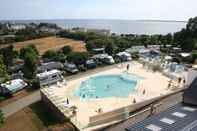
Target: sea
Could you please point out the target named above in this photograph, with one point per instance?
(148, 27)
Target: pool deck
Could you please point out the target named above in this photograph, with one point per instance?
(154, 84)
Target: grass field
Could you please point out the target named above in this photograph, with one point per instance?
(52, 43)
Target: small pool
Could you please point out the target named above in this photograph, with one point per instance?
(107, 86)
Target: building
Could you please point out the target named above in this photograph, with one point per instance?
(50, 77)
(180, 117)
(17, 27)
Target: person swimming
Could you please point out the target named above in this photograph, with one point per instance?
(107, 87)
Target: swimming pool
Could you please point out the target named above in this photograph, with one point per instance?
(104, 86)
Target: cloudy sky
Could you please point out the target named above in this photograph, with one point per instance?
(98, 9)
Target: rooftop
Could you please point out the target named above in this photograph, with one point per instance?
(14, 84)
(47, 73)
(180, 117)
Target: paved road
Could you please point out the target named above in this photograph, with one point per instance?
(35, 97)
(20, 104)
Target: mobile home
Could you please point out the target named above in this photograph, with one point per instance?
(12, 87)
(50, 77)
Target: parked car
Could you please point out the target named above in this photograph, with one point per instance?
(71, 68)
(90, 64)
(108, 60)
(104, 58)
(124, 56)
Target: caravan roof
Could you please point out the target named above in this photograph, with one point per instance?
(100, 56)
(124, 54)
(14, 85)
(47, 73)
(50, 66)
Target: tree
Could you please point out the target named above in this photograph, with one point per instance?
(8, 55)
(30, 57)
(192, 27)
(168, 39)
(66, 49)
(110, 48)
(194, 56)
(122, 44)
(50, 54)
(30, 49)
(187, 37)
(33, 47)
(78, 57)
(1, 118)
(3, 73)
(30, 65)
(54, 55)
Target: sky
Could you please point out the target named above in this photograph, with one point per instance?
(98, 9)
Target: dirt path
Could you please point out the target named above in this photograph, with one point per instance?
(19, 121)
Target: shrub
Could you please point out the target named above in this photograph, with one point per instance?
(82, 68)
(49, 54)
(1, 118)
(2, 98)
(78, 58)
(156, 67)
(35, 84)
(194, 56)
(54, 55)
(66, 50)
(135, 55)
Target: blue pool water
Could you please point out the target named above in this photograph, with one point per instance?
(107, 86)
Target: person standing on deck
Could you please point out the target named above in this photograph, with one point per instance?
(128, 67)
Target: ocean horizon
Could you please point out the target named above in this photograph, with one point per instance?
(148, 27)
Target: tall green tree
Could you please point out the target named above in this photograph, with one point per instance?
(3, 73)
(29, 49)
(30, 57)
(110, 47)
(30, 65)
(8, 55)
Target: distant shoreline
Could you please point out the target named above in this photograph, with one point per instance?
(149, 27)
(162, 21)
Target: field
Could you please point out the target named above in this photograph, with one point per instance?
(52, 43)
